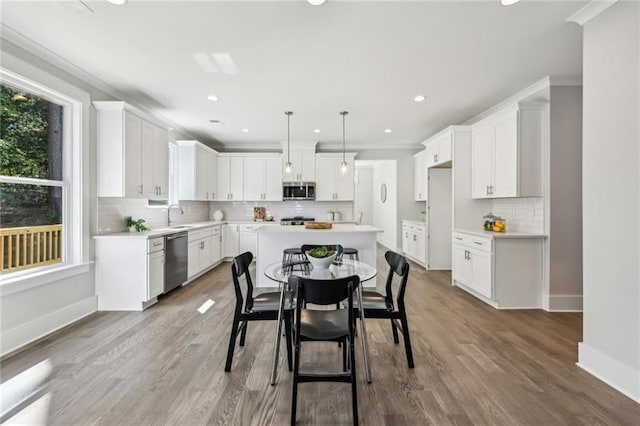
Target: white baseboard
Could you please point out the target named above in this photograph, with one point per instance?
(565, 303)
(24, 334)
(385, 243)
(620, 376)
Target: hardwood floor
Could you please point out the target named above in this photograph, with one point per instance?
(474, 365)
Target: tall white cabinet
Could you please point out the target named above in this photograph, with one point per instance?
(197, 171)
(303, 165)
(507, 153)
(133, 153)
(263, 177)
(420, 176)
(331, 183)
(230, 177)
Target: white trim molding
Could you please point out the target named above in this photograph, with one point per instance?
(622, 377)
(590, 11)
(17, 337)
(564, 303)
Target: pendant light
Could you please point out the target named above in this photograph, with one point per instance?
(287, 165)
(344, 165)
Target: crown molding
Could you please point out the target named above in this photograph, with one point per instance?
(590, 11)
(24, 43)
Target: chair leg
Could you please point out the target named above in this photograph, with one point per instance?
(344, 355)
(243, 333)
(294, 396)
(407, 340)
(288, 337)
(394, 330)
(354, 390)
(232, 342)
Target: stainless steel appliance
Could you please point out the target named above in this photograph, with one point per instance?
(298, 191)
(175, 265)
(296, 220)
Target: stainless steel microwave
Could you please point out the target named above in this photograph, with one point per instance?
(298, 191)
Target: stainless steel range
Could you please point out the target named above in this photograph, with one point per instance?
(296, 220)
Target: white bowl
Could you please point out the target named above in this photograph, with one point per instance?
(321, 263)
(218, 215)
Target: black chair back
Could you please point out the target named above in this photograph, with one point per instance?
(337, 247)
(397, 265)
(324, 292)
(240, 267)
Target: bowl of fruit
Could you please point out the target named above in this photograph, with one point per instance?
(321, 257)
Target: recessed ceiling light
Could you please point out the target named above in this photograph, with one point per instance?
(508, 2)
(388, 130)
(213, 98)
(316, 130)
(316, 2)
(118, 2)
(419, 98)
(245, 130)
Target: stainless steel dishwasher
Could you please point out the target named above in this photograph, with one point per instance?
(175, 266)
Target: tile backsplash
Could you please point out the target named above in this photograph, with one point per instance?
(521, 214)
(243, 210)
(112, 211)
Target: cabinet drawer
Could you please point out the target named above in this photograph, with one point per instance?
(155, 245)
(215, 230)
(481, 244)
(462, 239)
(200, 234)
(249, 228)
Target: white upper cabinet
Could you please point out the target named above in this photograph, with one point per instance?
(263, 178)
(132, 153)
(303, 165)
(230, 178)
(506, 153)
(420, 176)
(197, 171)
(331, 183)
(438, 149)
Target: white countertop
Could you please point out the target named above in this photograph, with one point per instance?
(416, 222)
(349, 228)
(152, 233)
(508, 234)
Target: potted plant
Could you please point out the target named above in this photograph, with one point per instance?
(137, 224)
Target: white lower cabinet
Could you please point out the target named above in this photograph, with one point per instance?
(414, 241)
(129, 271)
(503, 270)
(155, 274)
(248, 240)
(230, 246)
(204, 250)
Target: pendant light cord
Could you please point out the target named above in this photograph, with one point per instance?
(343, 114)
(288, 113)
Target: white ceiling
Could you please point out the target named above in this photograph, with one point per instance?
(370, 58)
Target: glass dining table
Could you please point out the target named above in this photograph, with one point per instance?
(346, 268)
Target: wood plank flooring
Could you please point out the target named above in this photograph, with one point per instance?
(474, 365)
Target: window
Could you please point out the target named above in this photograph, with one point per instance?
(37, 130)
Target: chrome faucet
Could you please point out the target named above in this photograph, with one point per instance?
(169, 212)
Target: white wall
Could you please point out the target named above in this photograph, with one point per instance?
(565, 199)
(385, 214)
(32, 308)
(407, 207)
(611, 198)
(363, 197)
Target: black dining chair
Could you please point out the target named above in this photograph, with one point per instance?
(262, 307)
(325, 325)
(381, 306)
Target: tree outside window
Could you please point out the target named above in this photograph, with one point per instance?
(32, 187)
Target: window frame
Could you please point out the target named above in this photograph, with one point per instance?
(73, 247)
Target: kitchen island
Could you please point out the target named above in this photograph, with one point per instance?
(272, 240)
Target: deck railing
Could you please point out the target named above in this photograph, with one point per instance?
(29, 247)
